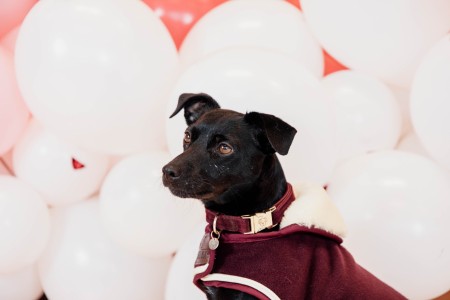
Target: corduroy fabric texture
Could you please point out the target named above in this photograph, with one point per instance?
(294, 263)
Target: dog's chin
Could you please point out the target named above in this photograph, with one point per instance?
(200, 195)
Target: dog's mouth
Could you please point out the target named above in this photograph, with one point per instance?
(187, 189)
(201, 195)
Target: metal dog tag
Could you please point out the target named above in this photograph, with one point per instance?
(213, 243)
(215, 236)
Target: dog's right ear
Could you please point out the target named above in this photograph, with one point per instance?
(275, 135)
(195, 105)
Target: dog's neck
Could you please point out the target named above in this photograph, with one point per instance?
(258, 196)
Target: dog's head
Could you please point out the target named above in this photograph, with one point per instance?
(223, 149)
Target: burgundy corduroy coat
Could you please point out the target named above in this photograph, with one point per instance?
(302, 260)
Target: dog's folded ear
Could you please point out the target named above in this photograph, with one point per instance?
(195, 105)
(274, 135)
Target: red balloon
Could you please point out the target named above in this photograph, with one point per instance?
(331, 64)
(76, 164)
(296, 3)
(180, 15)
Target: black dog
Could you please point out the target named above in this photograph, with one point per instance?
(229, 163)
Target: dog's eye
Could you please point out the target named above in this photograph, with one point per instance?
(225, 149)
(187, 137)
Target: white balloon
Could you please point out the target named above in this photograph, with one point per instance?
(180, 285)
(411, 143)
(140, 213)
(21, 285)
(368, 116)
(430, 102)
(94, 72)
(397, 209)
(61, 172)
(403, 95)
(387, 39)
(24, 225)
(250, 79)
(270, 24)
(82, 263)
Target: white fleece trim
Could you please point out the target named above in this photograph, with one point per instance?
(200, 269)
(313, 207)
(242, 281)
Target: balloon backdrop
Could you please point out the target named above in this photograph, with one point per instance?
(253, 79)
(12, 13)
(384, 38)
(411, 143)
(180, 284)
(94, 72)
(61, 172)
(296, 3)
(3, 169)
(101, 77)
(402, 96)
(396, 206)
(6, 163)
(367, 114)
(242, 23)
(180, 15)
(430, 102)
(9, 40)
(140, 213)
(21, 285)
(331, 64)
(13, 112)
(81, 262)
(24, 225)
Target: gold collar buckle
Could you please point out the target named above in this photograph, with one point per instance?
(260, 221)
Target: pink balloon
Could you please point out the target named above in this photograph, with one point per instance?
(12, 13)
(6, 164)
(13, 111)
(3, 169)
(9, 40)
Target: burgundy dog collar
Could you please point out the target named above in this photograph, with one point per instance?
(250, 224)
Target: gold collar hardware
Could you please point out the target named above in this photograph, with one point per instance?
(260, 221)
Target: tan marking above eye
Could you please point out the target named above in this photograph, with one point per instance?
(187, 137)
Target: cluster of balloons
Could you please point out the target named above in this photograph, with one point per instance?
(86, 88)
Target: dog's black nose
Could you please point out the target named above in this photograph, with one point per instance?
(171, 172)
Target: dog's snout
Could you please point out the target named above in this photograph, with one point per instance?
(171, 172)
